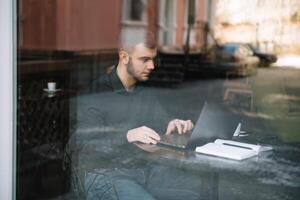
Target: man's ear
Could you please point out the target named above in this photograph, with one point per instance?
(124, 57)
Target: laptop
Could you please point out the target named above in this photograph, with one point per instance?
(215, 122)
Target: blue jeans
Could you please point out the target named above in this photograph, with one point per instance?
(155, 182)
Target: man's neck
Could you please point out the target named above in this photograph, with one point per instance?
(127, 81)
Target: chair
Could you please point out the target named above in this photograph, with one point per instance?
(237, 87)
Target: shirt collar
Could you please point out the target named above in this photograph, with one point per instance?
(117, 84)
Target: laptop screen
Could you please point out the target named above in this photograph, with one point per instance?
(215, 122)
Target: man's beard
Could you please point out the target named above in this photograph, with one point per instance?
(131, 71)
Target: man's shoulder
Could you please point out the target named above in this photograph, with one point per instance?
(104, 82)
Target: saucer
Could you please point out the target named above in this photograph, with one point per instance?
(51, 91)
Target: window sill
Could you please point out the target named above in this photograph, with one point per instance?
(134, 23)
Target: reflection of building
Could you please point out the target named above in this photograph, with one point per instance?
(68, 25)
(77, 26)
(272, 25)
(173, 22)
(168, 19)
(64, 25)
(83, 36)
(88, 31)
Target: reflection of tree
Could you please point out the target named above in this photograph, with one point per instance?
(295, 17)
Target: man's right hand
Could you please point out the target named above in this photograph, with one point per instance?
(143, 134)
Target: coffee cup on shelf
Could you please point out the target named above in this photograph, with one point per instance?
(51, 86)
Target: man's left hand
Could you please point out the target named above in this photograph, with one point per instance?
(182, 126)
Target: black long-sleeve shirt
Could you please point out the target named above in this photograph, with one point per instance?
(103, 118)
(114, 108)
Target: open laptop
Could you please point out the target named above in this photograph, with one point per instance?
(215, 122)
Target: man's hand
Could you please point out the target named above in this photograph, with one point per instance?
(143, 134)
(182, 126)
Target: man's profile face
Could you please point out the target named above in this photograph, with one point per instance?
(141, 62)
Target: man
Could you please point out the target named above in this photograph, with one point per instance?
(136, 64)
(122, 105)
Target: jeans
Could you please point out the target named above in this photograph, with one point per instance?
(155, 182)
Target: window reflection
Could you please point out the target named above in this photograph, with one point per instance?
(73, 138)
(136, 10)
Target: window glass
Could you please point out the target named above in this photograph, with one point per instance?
(108, 108)
(136, 10)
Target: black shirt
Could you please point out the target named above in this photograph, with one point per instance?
(112, 107)
(111, 111)
(104, 117)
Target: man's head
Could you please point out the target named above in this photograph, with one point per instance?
(138, 58)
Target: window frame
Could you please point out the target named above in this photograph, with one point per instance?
(8, 99)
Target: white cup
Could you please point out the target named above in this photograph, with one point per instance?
(51, 86)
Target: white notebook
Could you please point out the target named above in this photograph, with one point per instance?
(231, 149)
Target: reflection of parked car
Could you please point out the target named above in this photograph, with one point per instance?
(235, 57)
(219, 61)
(230, 57)
(266, 59)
